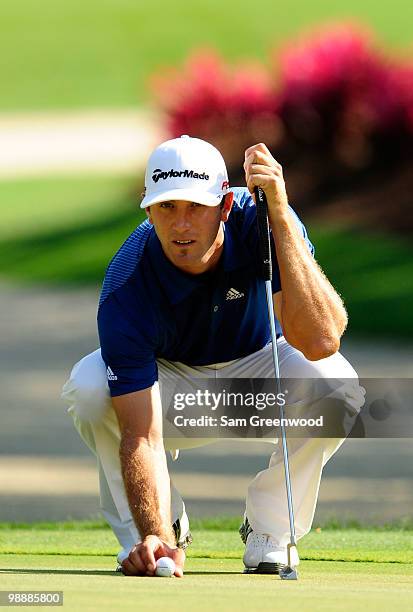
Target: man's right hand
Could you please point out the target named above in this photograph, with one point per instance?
(142, 558)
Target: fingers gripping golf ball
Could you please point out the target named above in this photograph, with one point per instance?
(165, 567)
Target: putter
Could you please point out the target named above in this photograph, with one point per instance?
(288, 572)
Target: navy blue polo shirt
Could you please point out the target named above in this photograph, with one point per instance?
(150, 309)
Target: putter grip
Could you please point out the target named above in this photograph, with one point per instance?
(263, 233)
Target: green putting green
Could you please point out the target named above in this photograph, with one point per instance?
(341, 569)
(90, 583)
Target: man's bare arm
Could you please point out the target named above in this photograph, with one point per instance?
(143, 462)
(146, 478)
(310, 311)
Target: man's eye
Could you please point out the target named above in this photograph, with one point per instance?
(195, 204)
(166, 204)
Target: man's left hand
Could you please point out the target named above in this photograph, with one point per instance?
(262, 170)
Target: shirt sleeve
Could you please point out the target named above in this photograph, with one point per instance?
(127, 339)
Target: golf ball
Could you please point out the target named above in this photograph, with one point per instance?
(165, 567)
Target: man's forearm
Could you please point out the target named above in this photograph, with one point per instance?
(313, 315)
(147, 484)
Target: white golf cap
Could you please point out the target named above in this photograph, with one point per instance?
(185, 168)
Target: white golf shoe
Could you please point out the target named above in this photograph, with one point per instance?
(263, 555)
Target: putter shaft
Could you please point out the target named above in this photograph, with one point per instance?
(289, 572)
(270, 306)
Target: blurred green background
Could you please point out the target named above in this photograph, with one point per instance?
(100, 52)
(60, 226)
(95, 55)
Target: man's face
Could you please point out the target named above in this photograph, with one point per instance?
(191, 234)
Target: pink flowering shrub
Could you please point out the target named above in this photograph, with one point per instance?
(338, 92)
(231, 108)
(340, 67)
(333, 109)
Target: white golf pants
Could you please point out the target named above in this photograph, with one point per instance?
(90, 406)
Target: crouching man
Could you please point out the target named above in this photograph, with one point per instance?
(182, 298)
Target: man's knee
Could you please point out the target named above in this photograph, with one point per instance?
(293, 364)
(335, 366)
(87, 390)
(332, 378)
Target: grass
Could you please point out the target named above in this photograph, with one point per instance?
(372, 272)
(352, 545)
(100, 53)
(217, 523)
(341, 569)
(41, 206)
(65, 231)
(62, 231)
(89, 583)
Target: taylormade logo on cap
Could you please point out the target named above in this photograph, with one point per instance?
(185, 168)
(160, 174)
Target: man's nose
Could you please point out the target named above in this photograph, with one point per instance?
(181, 222)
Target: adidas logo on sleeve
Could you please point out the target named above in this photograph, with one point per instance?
(110, 374)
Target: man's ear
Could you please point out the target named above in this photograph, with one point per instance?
(226, 209)
(148, 214)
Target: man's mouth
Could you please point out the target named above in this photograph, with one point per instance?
(183, 242)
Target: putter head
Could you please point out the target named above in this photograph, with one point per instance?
(289, 572)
